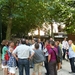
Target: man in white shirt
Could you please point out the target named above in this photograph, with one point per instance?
(40, 44)
(22, 51)
(65, 47)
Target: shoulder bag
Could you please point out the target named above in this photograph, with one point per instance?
(57, 57)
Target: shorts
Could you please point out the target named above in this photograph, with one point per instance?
(4, 66)
(12, 70)
(37, 67)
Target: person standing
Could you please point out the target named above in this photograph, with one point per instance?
(2, 45)
(40, 44)
(22, 51)
(38, 60)
(32, 46)
(33, 43)
(52, 59)
(59, 54)
(27, 42)
(65, 47)
(71, 56)
(12, 61)
(46, 50)
(51, 39)
(4, 62)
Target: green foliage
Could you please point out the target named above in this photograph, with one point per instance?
(30, 14)
(70, 17)
(26, 14)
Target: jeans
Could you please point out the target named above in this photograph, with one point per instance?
(64, 53)
(72, 64)
(46, 65)
(23, 64)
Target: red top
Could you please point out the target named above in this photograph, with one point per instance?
(48, 47)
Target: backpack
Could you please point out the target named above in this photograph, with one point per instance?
(6, 56)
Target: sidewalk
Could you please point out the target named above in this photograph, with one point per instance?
(64, 71)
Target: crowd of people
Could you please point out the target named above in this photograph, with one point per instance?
(25, 54)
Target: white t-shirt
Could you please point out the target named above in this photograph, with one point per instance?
(65, 45)
(23, 51)
(45, 51)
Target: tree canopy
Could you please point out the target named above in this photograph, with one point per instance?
(20, 17)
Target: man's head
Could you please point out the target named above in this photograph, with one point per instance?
(47, 42)
(27, 41)
(36, 45)
(70, 42)
(34, 40)
(52, 43)
(39, 40)
(51, 39)
(23, 41)
(65, 38)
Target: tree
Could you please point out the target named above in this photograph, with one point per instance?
(70, 21)
(20, 17)
(62, 12)
(25, 16)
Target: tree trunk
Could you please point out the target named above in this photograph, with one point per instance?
(38, 32)
(0, 27)
(9, 26)
(52, 34)
(32, 36)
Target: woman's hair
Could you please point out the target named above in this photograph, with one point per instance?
(36, 45)
(4, 42)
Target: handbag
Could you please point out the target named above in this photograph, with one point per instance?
(6, 56)
(57, 57)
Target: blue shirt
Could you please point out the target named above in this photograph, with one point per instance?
(71, 52)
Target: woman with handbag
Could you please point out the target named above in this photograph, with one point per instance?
(4, 62)
(52, 59)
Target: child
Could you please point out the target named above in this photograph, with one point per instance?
(12, 61)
